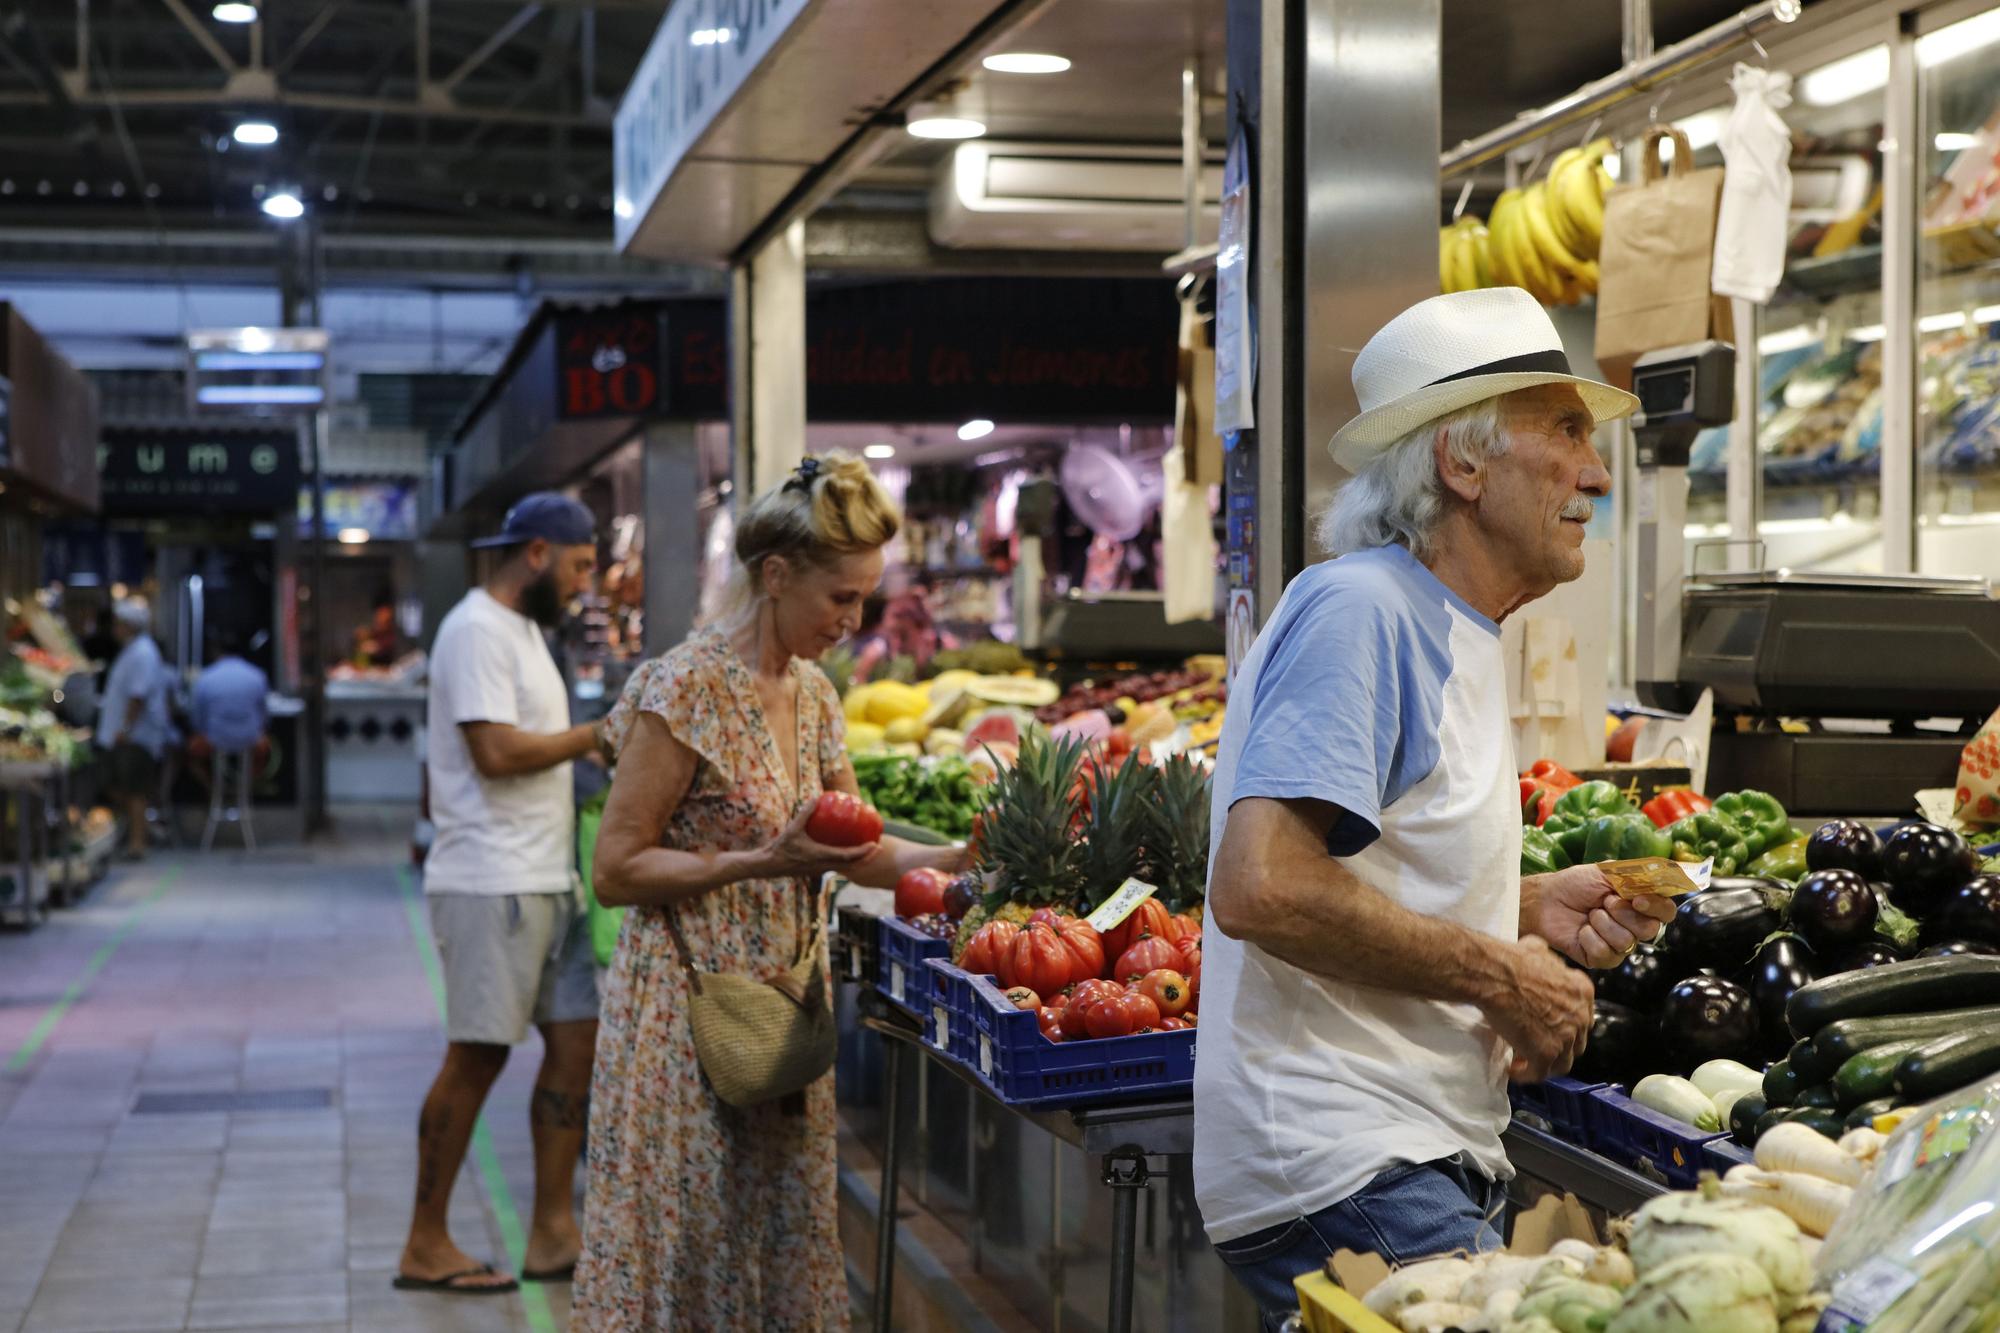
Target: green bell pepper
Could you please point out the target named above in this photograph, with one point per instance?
(1707, 834)
(1569, 822)
(1624, 838)
(1762, 820)
(1540, 853)
(1786, 862)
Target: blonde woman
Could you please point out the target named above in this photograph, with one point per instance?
(699, 1215)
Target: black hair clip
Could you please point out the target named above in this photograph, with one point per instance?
(802, 479)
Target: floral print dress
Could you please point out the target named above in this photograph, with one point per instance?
(698, 1215)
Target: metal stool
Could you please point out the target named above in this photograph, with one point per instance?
(239, 813)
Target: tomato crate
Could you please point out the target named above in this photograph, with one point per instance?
(1024, 1068)
(949, 1019)
(1562, 1104)
(852, 949)
(1668, 1150)
(901, 950)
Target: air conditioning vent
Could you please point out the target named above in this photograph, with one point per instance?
(1037, 196)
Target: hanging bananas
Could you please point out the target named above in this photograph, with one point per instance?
(1462, 258)
(1543, 238)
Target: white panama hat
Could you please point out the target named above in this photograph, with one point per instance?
(1453, 351)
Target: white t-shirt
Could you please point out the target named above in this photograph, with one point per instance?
(496, 835)
(1375, 688)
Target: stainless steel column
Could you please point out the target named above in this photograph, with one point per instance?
(1902, 197)
(767, 362)
(670, 495)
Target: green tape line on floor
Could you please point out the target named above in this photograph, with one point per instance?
(533, 1300)
(74, 992)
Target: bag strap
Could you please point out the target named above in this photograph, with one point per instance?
(1649, 161)
(673, 916)
(805, 947)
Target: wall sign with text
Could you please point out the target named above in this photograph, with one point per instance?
(172, 470)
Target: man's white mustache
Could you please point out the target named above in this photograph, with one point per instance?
(1579, 508)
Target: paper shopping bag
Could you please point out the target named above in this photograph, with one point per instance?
(1654, 265)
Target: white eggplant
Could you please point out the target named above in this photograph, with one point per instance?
(1719, 1076)
(1676, 1097)
(1699, 1293)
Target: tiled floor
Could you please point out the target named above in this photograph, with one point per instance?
(293, 968)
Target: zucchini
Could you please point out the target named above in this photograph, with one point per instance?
(1894, 988)
(1780, 1084)
(1811, 1064)
(1871, 1073)
(1849, 1037)
(1863, 1116)
(1948, 1064)
(1815, 1117)
(1820, 1095)
(1743, 1117)
(1768, 1119)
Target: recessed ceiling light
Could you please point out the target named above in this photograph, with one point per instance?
(234, 11)
(976, 429)
(946, 127)
(353, 536)
(284, 204)
(255, 133)
(1953, 142)
(1026, 62)
(879, 451)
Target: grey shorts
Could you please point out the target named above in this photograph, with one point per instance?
(511, 960)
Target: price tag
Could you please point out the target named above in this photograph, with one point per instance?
(896, 982)
(1120, 904)
(943, 1027)
(1867, 1293)
(854, 964)
(985, 1057)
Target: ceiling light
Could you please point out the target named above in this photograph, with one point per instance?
(946, 127)
(1951, 319)
(234, 11)
(1952, 142)
(710, 37)
(1026, 62)
(260, 395)
(879, 451)
(1986, 314)
(284, 204)
(1790, 340)
(1846, 79)
(1974, 34)
(255, 133)
(1867, 333)
(976, 429)
(352, 536)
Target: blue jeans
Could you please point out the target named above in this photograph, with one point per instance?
(1411, 1211)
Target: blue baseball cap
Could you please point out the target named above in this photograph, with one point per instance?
(548, 516)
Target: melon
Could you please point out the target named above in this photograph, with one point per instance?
(1019, 691)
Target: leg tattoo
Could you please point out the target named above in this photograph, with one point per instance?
(559, 1110)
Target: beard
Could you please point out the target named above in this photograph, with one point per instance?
(540, 601)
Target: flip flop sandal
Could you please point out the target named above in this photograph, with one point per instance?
(567, 1273)
(453, 1283)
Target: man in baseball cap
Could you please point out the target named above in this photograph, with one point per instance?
(501, 884)
(1375, 960)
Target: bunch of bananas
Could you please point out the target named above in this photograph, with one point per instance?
(1545, 238)
(1463, 259)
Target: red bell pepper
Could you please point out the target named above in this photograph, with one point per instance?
(1670, 807)
(1552, 774)
(1541, 785)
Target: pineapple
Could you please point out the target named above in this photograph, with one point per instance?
(968, 926)
(1118, 825)
(1026, 839)
(1177, 849)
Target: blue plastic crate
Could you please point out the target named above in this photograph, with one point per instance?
(1562, 1104)
(1720, 1155)
(899, 965)
(949, 1022)
(1655, 1145)
(1024, 1068)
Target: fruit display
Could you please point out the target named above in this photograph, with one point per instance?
(36, 736)
(943, 794)
(1543, 237)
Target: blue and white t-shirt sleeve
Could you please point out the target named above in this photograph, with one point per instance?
(1327, 718)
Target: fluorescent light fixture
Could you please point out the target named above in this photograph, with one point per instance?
(879, 451)
(352, 536)
(284, 205)
(1986, 314)
(946, 127)
(260, 395)
(234, 11)
(1951, 141)
(1790, 340)
(976, 429)
(1026, 62)
(255, 133)
(1847, 78)
(1867, 333)
(253, 340)
(1951, 319)
(259, 360)
(1960, 39)
(710, 37)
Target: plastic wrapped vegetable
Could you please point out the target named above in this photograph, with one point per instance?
(1539, 853)
(1705, 835)
(1763, 821)
(1786, 862)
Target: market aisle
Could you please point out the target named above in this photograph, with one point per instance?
(293, 974)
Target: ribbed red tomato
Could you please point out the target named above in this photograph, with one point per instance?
(1144, 956)
(990, 943)
(843, 820)
(1122, 1015)
(1049, 916)
(1086, 946)
(1167, 989)
(1190, 950)
(1148, 918)
(1180, 928)
(1039, 960)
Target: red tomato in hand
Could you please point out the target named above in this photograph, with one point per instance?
(1122, 1015)
(1167, 989)
(1023, 998)
(1051, 1022)
(1148, 918)
(1148, 954)
(990, 944)
(841, 820)
(921, 891)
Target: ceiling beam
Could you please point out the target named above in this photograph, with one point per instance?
(305, 39)
(387, 106)
(525, 15)
(202, 35)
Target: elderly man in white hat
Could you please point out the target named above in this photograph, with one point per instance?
(1376, 967)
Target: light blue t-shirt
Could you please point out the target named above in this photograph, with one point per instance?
(1377, 689)
(137, 673)
(229, 703)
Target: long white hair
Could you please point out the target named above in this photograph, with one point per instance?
(1398, 496)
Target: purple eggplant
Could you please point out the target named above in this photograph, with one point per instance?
(1706, 1018)
(1845, 844)
(1875, 952)
(1640, 982)
(1970, 912)
(1783, 965)
(1924, 862)
(1832, 909)
(1958, 947)
(1624, 1046)
(1721, 926)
